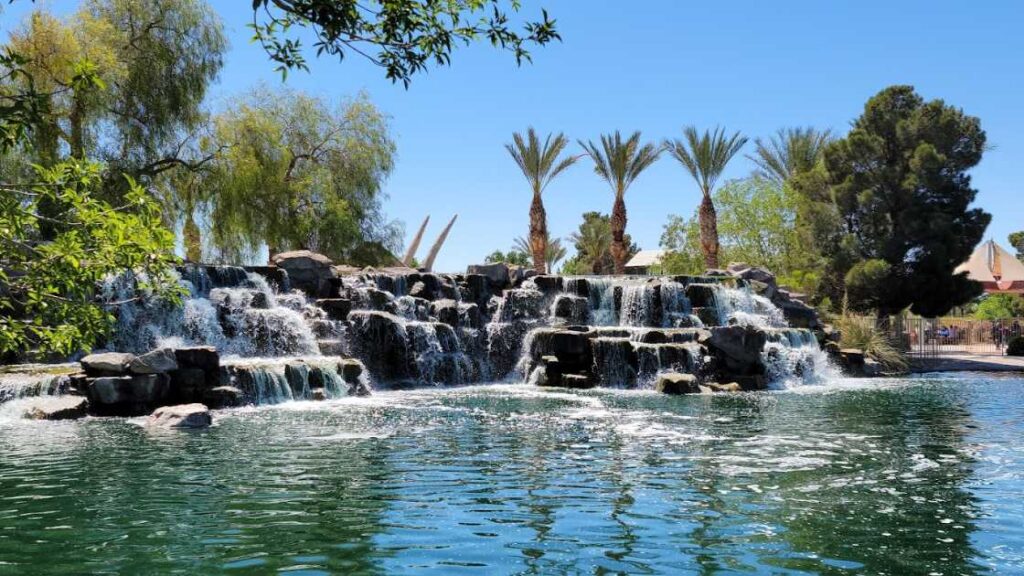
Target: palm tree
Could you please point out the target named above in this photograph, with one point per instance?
(789, 152)
(554, 252)
(593, 241)
(619, 163)
(705, 156)
(540, 164)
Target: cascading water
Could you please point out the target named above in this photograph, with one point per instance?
(245, 318)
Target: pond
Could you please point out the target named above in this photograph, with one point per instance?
(908, 476)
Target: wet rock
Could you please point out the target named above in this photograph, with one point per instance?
(548, 284)
(318, 394)
(331, 347)
(799, 314)
(701, 295)
(577, 381)
(676, 383)
(56, 408)
(307, 271)
(181, 416)
(418, 290)
(380, 341)
(149, 388)
(154, 362)
(497, 273)
(109, 390)
(223, 397)
(469, 315)
(336, 308)
(260, 301)
(572, 308)
(707, 316)
(203, 358)
(851, 361)
(107, 363)
(276, 277)
(550, 372)
(739, 347)
(572, 348)
(189, 384)
(446, 311)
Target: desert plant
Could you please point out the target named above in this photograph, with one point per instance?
(862, 333)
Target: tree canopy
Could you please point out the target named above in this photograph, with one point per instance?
(295, 171)
(403, 37)
(896, 190)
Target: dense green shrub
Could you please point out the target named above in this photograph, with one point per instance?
(1016, 346)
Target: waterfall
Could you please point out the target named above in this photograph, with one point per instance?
(272, 381)
(794, 358)
(743, 307)
(235, 311)
(22, 385)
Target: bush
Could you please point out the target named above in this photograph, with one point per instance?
(862, 334)
(1016, 346)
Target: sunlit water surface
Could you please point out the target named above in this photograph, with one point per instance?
(921, 476)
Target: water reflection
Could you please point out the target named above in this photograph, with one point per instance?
(902, 479)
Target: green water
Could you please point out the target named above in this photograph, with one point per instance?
(918, 476)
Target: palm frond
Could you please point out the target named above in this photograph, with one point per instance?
(706, 155)
(620, 162)
(789, 152)
(540, 162)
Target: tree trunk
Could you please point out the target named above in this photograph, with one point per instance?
(709, 232)
(193, 240)
(618, 225)
(538, 234)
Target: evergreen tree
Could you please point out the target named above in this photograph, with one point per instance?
(891, 205)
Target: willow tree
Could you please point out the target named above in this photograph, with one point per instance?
(540, 164)
(293, 171)
(705, 157)
(154, 61)
(619, 162)
(789, 152)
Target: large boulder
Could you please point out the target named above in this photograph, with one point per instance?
(336, 308)
(154, 362)
(56, 408)
(446, 311)
(739, 348)
(380, 341)
(307, 271)
(107, 364)
(676, 383)
(755, 273)
(497, 273)
(204, 358)
(181, 416)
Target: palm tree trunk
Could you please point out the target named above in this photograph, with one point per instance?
(709, 232)
(538, 233)
(618, 224)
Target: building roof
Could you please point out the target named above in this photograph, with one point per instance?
(645, 258)
(995, 268)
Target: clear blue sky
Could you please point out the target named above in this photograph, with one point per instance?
(655, 66)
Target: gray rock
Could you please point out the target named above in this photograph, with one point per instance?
(110, 390)
(318, 394)
(107, 363)
(548, 284)
(181, 416)
(154, 362)
(740, 347)
(336, 308)
(307, 270)
(446, 311)
(497, 273)
(204, 358)
(676, 383)
(149, 388)
(701, 295)
(577, 381)
(56, 408)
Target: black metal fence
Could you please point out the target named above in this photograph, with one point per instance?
(936, 337)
